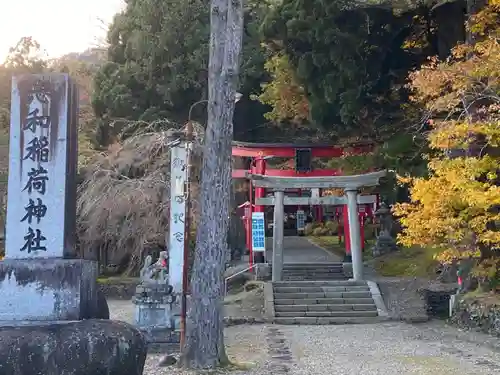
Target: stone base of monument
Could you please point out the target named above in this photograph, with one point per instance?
(48, 289)
(86, 347)
(154, 314)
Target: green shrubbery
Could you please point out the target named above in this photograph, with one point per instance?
(332, 228)
(328, 228)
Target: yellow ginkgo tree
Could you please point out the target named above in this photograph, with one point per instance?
(456, 208)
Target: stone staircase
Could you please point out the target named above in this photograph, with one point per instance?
(323, 302)
(320, 293)
(313, 271)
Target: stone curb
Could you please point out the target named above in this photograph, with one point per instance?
(269, 301)
(230, 321)
(356, 321)
(377, 298)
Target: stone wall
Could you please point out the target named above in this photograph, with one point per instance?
(477, 314)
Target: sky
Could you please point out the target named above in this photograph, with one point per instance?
(60, 26)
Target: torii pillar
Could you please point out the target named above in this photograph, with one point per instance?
(351, 186)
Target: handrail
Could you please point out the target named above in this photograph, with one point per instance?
(238, 273)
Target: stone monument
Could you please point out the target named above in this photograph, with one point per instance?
(39, 277)
(153, 302)
(384, 243)
(48, 298)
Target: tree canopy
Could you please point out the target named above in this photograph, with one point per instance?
(456, 208)
(348, 59)
(158, 59)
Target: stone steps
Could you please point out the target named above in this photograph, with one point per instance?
(318, 283)
(313, 271)
(323, 302)
(312, 277)
(311, 320)
(312, 265)
(332, 314)
(321, 289)
(327, 295)
(325, 308)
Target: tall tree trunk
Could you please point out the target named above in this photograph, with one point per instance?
(204, 346)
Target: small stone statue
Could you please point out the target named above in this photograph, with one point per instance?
(153, 302)
(156, 272)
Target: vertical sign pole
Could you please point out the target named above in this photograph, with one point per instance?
(187, 238)
(249, 224)
(177, 236)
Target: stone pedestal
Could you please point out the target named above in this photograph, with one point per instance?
(48, 289)
(153, 312)
(87, 347)
(384, 244)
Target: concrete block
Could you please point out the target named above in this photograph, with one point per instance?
(318, 307)
(291, 308)
(290, 314)
(362, 294)
(342, 307)
(284, 301)
(48, 289)
(331, 301)
(364, 307)
(358, 301)
(334, 295)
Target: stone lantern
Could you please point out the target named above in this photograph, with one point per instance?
(384, 243)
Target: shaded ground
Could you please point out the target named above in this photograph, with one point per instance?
(248, 304)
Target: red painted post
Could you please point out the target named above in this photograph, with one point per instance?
(338, 214)
(260, 168)
(347, 236)
(320, 209)
(249, 225)
(361, 217)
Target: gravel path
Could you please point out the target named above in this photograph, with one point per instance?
(391, 349)
(385, 349)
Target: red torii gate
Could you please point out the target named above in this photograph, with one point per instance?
(259, 152)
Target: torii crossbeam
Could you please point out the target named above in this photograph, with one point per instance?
(350, 185)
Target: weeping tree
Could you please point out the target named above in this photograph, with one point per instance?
(204, 345)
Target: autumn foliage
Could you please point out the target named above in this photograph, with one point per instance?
(285, 96)
(457, 207)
